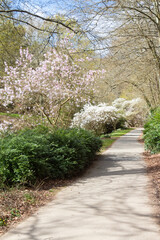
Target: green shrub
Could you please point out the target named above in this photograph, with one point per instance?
(121, 123)
(152, 132)
(38, 153)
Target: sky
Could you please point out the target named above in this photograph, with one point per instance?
(46, 6)
(100, 26)
(57, 6)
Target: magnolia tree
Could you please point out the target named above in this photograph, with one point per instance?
(103, 118)
(46, 89)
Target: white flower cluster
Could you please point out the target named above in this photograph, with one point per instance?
(127, 107)
(98, 118)
(5, 126)
(133, 111)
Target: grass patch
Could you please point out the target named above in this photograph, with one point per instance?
(106, 143)
(120, 132)
(14, 115)
(108, 139)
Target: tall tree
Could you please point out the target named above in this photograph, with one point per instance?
(12, 37)
(131, 33)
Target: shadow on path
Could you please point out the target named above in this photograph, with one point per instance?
(108, 203)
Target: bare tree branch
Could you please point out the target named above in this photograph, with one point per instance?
(39, 17)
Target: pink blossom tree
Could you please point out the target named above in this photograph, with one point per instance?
(58, 81)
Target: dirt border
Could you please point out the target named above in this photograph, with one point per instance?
(18, 204)
(153, 171)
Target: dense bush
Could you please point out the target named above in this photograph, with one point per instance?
(152, 132)
(38, 153)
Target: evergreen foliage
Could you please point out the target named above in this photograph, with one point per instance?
(152, 132)
(34, 154)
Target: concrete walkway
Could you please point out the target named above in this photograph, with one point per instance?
(109, 203)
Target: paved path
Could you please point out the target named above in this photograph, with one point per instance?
(109, 203)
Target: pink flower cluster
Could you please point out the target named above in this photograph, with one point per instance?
(56, 81)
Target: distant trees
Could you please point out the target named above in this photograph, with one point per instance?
(137, 47)
(12, 37)
(22, 26)
(126, 33)
(130, 31)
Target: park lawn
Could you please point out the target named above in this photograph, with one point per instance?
(109, 139)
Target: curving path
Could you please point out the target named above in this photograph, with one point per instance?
(109, 203)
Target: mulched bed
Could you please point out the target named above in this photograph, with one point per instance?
(17, 204)
(153, 170)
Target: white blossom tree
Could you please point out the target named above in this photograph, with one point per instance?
(103, 118)
(96, 118)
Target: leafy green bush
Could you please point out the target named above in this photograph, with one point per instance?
(38, 153)
(121, 123)
(152, 132)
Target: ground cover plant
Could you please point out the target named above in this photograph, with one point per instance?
(18, 203)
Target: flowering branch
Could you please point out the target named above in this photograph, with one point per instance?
(56, 81)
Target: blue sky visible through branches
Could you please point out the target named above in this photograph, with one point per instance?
(48, 7)
(98, 25)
